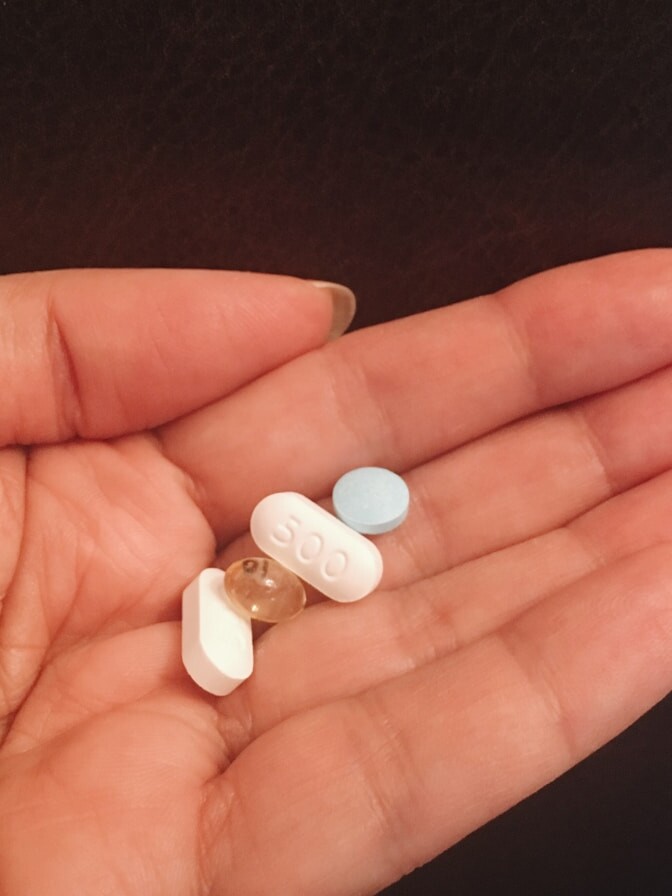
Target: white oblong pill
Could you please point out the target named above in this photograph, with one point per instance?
(216, 640)
(316, 546)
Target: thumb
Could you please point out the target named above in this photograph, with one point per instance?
(99, 353)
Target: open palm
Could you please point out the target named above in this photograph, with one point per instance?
(525, 613)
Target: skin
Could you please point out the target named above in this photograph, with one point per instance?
(524, 618)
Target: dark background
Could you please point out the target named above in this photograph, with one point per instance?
(420, 153)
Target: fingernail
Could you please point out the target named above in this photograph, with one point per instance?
(344, 306)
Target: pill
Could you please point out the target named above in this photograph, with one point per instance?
(264, 589)
(371, 500)
(216, 639)
(316, 546)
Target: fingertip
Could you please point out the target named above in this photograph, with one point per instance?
(344, 306)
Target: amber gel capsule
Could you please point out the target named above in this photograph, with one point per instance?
(263, 589)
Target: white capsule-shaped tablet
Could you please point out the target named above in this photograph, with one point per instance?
(316, 546)
(216, 640)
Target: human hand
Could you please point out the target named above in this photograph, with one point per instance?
(524, 617)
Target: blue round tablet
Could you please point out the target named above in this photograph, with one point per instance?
(371, 500)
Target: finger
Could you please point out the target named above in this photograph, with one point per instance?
(341, 651)
(97, 353)
(399, 773)
(405, 392)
